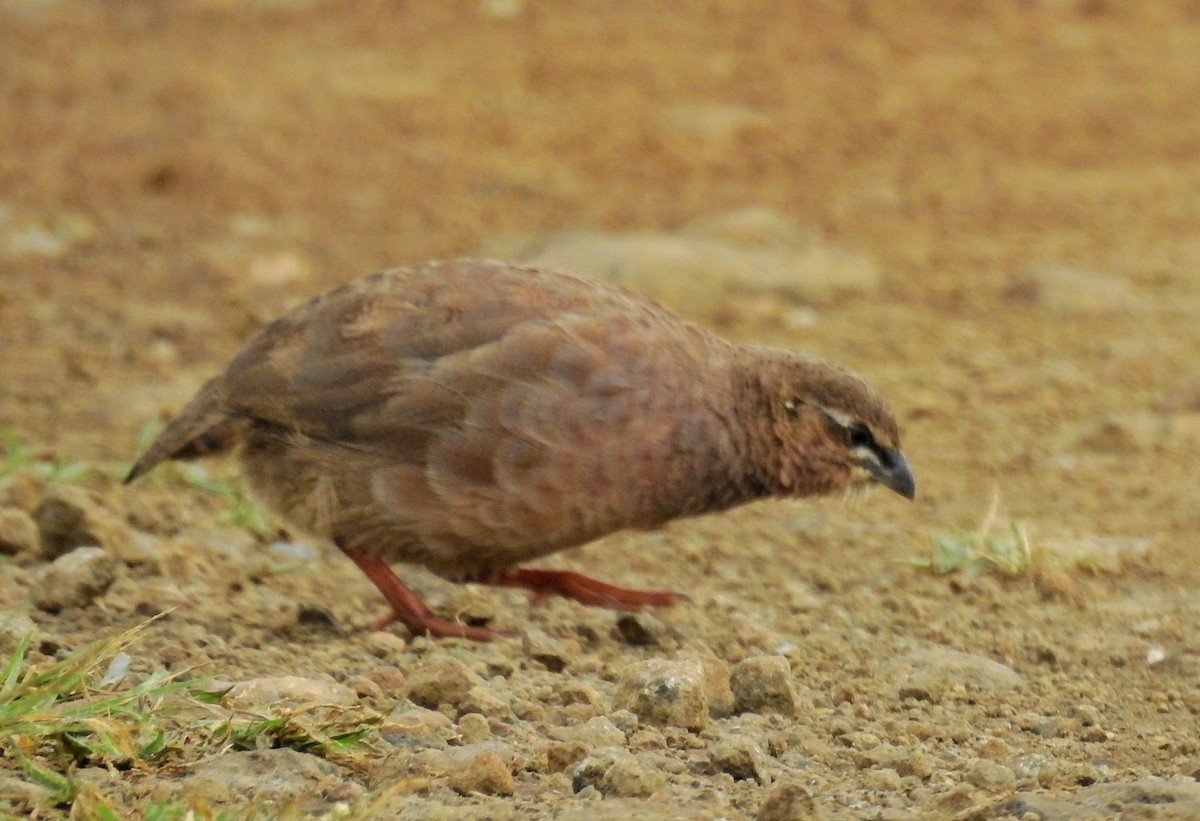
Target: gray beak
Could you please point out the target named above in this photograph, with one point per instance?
(893, 472)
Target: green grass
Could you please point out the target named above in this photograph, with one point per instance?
(989, 548)
(58, 716)
(19, 459)
(243, 512)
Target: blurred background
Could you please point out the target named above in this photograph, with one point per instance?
(991, 210)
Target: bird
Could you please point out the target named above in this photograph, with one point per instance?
(471, 415)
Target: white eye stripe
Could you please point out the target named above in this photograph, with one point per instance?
(867, 454)
(841, 419)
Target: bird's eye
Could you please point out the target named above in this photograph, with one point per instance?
(791, 405)
(859, 436)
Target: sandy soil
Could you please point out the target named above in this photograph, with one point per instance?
(1026, 179)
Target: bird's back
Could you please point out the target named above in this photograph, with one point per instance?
(479, 402)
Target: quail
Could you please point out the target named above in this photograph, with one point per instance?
(472, 415)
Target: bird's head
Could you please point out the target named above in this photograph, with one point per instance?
(830, 430)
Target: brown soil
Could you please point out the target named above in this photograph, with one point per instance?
(1026, 176)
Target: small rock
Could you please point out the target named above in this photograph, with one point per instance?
(74, 579)
(364, 688)
(591, 769)
(624, 720)
(993, 777)
(13, 628)
(598, 732)
(884, 779)
(272, 693)
(627, 778)
(63, 526)
(486, 701)
(441, 680)
(482, 772)
(474, 728)
(1088, 715)
(789, 802)
(416, 727)
(741, 758)
(928, 675)
(564, 755)
(665, 693)
(716, 678)
(71, 517)
(385, 645)
(640, 629)
(763, 684)
(387, 678)
(18, 532)
(546, 651)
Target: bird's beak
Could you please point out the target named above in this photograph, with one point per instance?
(894, 473)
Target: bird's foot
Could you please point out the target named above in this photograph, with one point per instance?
(407, 607)
(427, 624)
(572, 585)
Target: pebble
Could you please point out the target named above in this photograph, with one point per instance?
(627, 778)
(63, 525)
(740, 757)
(665, 693)
(640, 630)
(545, 650)
(70, 517)
(416, 727)
(597, 732)
(481, 771)
(789, 802)
(272, 693)
(13, 628)
(74, 579)
(591, 769)
(474, 728)
(485, 700)
(441, 680)
(18, 533)
(716, 678)
(763, 684)
(931, 674)
(990, 776)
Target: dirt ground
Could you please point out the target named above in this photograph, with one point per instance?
(1025, 176)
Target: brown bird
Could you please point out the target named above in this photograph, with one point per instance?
(472, 415)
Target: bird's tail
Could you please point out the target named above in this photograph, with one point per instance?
(202, 428)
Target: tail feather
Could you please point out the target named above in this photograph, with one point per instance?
(203, 428)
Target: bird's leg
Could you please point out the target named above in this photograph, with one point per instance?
(584, 589)
(407, 606)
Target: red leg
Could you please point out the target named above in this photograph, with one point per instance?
(585, 589)
(407, 606)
